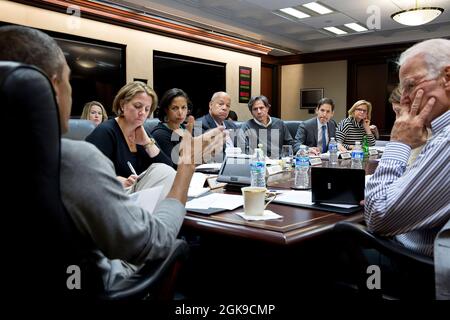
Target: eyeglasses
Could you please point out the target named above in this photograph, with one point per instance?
(361, 110)
(409, 86)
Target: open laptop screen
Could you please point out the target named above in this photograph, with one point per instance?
(235, 170)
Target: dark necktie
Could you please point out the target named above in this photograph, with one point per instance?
(324, 139)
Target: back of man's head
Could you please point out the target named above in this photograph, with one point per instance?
(31, 46)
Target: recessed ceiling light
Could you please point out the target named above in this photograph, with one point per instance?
(316, 7)
(356, 27)
(295, 13)
(335, 30)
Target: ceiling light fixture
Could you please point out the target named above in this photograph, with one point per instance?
(335, 30)
(86, 62)
(356, 27)
(317, 7)
(295, 13)
(417, 16)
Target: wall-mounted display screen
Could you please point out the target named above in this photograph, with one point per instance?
(97, 72)
(310, 97)
(199, 78)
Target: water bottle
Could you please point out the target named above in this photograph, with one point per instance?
(332, 148)
(258, 168)
(302, 168)
(357, 156)
(247, 147)
(365, 146)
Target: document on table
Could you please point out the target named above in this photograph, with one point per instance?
(295, 197)
(206, 166)
(339, 205)
(216, 200)
(196, 186)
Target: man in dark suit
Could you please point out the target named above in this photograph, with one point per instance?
(316, 132)
(219, 107)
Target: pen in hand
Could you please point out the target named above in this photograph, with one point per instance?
(131, 168)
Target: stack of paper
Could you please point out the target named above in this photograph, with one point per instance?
(209, 166)
(196, 186)
(216, 200)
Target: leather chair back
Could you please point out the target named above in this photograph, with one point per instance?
(149, 124)
(79, 129)
(413, 272)
(44, 241)
(292, 126)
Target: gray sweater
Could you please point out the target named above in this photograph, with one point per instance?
(272, 138)
(104, 214)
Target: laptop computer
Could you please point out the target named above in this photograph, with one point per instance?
(337, 185)
(235, 170)
(335, 190)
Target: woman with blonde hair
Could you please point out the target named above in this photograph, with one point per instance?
(95, 112)
(356, 126)
(126, 143)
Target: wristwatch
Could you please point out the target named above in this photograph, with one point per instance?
(149, 144)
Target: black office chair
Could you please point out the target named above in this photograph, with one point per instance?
(45, 241)
(414, 273)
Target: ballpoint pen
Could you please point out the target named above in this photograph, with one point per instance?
(131, 168)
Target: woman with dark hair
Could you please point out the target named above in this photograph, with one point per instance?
(172, 112)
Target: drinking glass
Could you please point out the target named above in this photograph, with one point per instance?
(286, 156)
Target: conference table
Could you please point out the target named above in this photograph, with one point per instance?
(297, 225)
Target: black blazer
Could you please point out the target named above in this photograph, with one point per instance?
(208, 123)
(307, 132)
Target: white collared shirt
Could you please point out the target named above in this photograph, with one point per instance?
(228, 143)
(262, 124)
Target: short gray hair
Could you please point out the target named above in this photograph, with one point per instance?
(436, 53)
(219, 94)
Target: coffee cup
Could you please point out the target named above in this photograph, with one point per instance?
(255, 200)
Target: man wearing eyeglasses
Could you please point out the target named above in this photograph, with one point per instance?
(413, 203)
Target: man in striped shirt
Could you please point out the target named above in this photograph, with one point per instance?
(413, 203)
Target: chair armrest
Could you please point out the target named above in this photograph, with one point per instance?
(151, 277)
(384, 245)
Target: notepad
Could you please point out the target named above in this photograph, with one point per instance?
(147, 198)
(216, 200)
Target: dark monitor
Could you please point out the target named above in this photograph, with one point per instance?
(97, 72)
(199, 78)
(310, 97)
(97, 69)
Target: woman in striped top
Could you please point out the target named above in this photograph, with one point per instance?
(357, 125)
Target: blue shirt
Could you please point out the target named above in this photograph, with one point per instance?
(412, 203)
